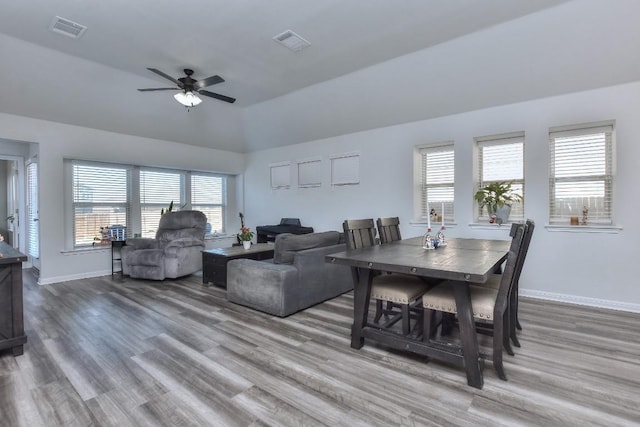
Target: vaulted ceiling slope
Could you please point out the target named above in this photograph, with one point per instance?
(371, 63)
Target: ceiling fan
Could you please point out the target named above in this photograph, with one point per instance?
(189, 88)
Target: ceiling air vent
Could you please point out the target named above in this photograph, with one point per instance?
(68, 28)
(292, 41)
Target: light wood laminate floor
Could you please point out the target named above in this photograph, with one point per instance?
(107, 352)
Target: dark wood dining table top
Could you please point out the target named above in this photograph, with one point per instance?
(462, 259)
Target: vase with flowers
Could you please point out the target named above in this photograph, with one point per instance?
(245, 236)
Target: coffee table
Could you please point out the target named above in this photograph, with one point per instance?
(214, 261)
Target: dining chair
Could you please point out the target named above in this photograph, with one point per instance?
(490, 305)
(401, 289)
(389, 231)
(494, 282)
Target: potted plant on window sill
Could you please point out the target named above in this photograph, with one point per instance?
(498, 198)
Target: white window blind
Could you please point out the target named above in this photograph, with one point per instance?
(581, 174)
(100, 199)
(33, 239)
(501, 159)
(208, 195)
(438, 181)
(157, 190)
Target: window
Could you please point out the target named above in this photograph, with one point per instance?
(437, 183)
(208, 194)
(33, 240)
(581, 173)
(157, 190)
(102, 195)
(501, 159)
(100, 199)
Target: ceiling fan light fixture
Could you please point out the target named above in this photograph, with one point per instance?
(187, 98)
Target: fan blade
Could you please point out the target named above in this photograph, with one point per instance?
(159, 88)
(208, 81)
(166, 76)
(217, 96)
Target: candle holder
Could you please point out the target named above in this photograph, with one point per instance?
(427, 241)
(440, 238)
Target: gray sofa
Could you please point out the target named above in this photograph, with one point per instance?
(176, 251)
(296, 278)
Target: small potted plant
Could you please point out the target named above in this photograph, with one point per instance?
(245, 236)
(498, 198)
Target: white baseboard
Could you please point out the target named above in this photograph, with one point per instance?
(58, 279)
(551, 296)
(574, 299)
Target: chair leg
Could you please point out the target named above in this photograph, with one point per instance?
(406, 327)
(448, 321)
(506, 333)
(378, 311)
(427, 319)
(512, 332)
(514, 324)
(389, 307)
(498, 332)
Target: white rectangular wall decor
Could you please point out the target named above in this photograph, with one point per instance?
(345, 169)
(280, 175)
(310, 173)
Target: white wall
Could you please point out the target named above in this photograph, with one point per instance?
(58, 141)
(591, 268)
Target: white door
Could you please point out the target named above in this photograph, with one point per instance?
(13, 204)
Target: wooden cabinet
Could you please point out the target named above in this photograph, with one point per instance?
(11, 310)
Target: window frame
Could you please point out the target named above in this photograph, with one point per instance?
(126, 205)
(32, 209)
(556, 217)
(159, 206)
(421, 198)
(223, 204)
(492, 141)
(134, 198)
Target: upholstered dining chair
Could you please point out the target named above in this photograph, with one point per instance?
(489, 305)
(494, 282)
(401, 289)
(388, 231)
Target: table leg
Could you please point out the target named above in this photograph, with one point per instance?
(468, 335)
(361, 296)
(18, 350)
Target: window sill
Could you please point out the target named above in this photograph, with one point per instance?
(219, 236)
(487, 226)
(434, 226)
(610, 229)
(86, 250)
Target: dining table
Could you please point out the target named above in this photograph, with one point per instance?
(461, 262)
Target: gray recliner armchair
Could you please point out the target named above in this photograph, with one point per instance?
(176, 251)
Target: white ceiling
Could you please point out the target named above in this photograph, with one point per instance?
(92, 81)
